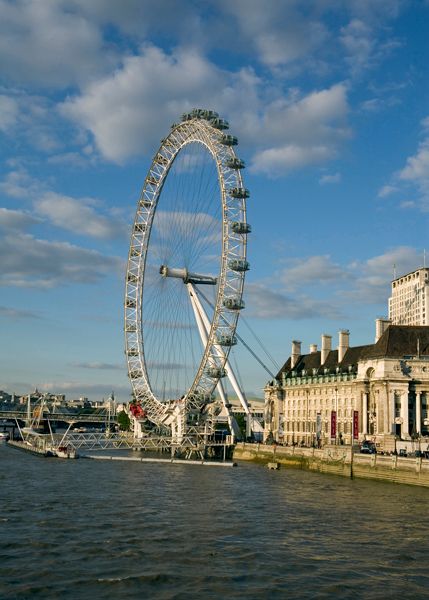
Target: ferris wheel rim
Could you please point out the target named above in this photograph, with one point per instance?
(231, 280)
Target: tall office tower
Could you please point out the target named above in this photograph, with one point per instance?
(409, 302)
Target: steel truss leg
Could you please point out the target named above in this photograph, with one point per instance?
(202, 318)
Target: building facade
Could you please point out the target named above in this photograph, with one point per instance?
(409, 302)
(383, 388)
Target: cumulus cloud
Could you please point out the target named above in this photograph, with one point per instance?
(78, 216)
(8, 112)
(16, 219)
(314, 270)
(68, 47)
(101, 366)
(30, 262)
(417, 166)
(127, 111)
(387, 190)
(17, 314)
(328, 179)
(314, 126)
(374, 275)
(19, 184)
(414, 176)
(265, 303)
(281, 33)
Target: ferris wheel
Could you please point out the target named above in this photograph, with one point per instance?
(186, 270)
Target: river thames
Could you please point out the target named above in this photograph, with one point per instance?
(99, 529)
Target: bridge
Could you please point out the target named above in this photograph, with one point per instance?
(80, 417)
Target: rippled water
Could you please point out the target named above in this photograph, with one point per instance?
(99, 529)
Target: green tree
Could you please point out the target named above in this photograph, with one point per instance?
(124, 421)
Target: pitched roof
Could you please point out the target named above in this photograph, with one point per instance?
(397, 341)
(401, 340)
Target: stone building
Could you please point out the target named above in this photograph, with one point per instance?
(383, 386)
(409, 302)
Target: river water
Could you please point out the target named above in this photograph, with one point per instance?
(100, 529)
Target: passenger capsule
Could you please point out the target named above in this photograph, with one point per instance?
(233, 303)
(215, 372)
(209, 114)
(198, 113)
(235, 163)
(186, 116)
(225, 339)
(228, 140)
(239, 192)
(219, 123)
(240, 227)
(238, 264)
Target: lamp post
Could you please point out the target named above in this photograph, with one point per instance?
(336, 416)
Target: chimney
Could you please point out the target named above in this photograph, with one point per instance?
(313, 348)
(343, 343)
(296, 353)
(326, 348)
(381, 324)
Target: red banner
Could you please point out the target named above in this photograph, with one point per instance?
(333, 424)
(355, 424)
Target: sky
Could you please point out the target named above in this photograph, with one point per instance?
(329, 101)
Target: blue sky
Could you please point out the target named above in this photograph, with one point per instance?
(329, 100)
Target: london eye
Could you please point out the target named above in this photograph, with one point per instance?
(185, 272)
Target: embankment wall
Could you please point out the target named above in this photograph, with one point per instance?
(339, 460)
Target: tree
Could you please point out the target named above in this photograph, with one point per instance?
(124, 421)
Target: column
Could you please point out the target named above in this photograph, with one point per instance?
(386, 409)
(392, 413)
(365, 413)
(404, 414)
(418, 413)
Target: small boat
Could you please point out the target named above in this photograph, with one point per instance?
(273, 465)
(65, 452)
(4, 436)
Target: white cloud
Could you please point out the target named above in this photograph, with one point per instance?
(8, 112)
(280, 32)
(78, 216)
(314, 126)
(100, 366)
(19, 184)
(328, 179)
(127, 112)
(17, 313)
(387, 190)
(413, 178)
(30, 262)
(46, 43)
(374, 275)
(314, 270)
(264, 303)
(16, 219)
(417, 166)
(276, 161)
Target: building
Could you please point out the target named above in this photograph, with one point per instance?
(383, 387)
(409, 302)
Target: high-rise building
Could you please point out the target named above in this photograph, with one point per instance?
(409, 302)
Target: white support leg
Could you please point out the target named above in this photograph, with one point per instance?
(229, 370)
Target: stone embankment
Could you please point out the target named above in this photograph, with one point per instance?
(339, 460)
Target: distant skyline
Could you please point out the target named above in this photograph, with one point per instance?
(329, 100)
